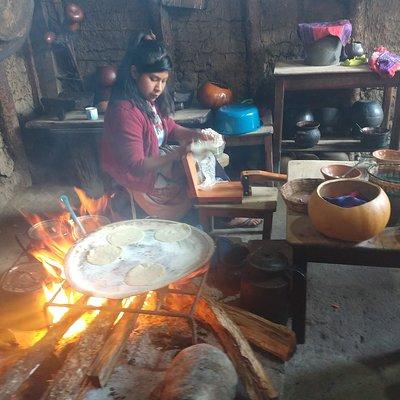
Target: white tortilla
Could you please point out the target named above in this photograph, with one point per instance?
(144, 274)
(103, 255)
(125, 236)
(173, 233)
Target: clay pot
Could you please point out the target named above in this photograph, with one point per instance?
(387, 156)
(354, 224)
(49, 37)
(292, 117)
(338, 170)
(106, 75)
(367, 113)
(307, 134)
(74, 13)
(375, 137)
(354, 49)
(73, 27)
(214, 95)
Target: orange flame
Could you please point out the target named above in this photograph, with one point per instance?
(52, 239)
(91, 206)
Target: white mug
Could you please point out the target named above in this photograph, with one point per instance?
(91, 113)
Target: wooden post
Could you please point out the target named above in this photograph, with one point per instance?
(278, 122)
(254, 49)
(42, 54)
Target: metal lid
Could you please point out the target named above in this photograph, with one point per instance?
(268, 261)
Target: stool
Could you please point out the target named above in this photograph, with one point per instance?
(261, 204)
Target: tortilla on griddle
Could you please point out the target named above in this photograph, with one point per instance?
(144, 274)
(124, 236)
(173, 233)
(103, 255)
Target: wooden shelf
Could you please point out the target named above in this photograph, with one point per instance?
(329, 145)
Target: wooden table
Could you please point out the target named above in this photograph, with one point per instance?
(296, 76)
(310, 246)
(76, 122)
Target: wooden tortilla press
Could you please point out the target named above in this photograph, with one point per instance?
(225, 192)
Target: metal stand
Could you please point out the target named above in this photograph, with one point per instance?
(158, 311)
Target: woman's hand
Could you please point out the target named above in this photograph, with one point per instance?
(205, 136)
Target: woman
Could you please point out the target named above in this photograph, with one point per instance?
(137, 127)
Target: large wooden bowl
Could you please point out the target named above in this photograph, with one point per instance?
(387, 156)
(354, 224)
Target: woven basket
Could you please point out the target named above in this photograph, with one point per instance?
(387, 176)
(296, 193)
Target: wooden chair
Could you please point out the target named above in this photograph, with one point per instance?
(233, 198)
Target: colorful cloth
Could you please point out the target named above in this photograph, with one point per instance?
(384, 62)
(352, 199)
(311, 32)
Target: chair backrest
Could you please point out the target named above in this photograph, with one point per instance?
(192, 174)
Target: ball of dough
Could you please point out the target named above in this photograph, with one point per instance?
(125, 236)
(103, 255)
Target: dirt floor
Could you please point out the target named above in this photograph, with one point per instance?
(352, 348)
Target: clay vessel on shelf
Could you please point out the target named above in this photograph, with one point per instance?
(354, 224)
(307, 134)
(354, 49)
(367, 113)
(214, 95)
(106, 75)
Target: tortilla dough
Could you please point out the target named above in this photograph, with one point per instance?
(173, 233)
(144, 274)
(103, 255)
(125, 236)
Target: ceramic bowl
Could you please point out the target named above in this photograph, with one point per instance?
(387, 156)
(354, 224)
(336, 171)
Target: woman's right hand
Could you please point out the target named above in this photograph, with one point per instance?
(182, 150)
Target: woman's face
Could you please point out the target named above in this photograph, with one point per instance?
(151, 84)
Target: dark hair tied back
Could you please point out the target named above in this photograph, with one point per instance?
(147, 55)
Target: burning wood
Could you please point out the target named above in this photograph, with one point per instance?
(105, 361)
(21, 371)
(67, 384)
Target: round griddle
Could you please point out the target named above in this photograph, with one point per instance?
(180, 259)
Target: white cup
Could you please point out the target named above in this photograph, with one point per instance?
(91, 113)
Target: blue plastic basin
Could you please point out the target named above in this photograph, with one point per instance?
(236, 119)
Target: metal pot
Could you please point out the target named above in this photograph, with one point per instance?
(265, 285)
(354, 49)
(22, 301)
(236, 119)
(325, 51)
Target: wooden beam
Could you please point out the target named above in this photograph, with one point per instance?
(43, 56)
(254, 49)
(273, 338)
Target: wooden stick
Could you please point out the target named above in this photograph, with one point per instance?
(104, 364)
(255, 380)
(276, 339)
(34, 356)
(68, 382)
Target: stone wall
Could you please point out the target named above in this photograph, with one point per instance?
(13, 169)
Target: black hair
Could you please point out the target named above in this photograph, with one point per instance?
(147, 55)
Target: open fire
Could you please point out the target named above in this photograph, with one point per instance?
(51, 238)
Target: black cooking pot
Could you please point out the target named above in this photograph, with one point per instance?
(291, 117)
(367, 113)
(307, 134)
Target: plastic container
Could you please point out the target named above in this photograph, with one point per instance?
(237, 119)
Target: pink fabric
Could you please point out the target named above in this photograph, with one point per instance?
(311, 32)
(384, 62)
(128, 139)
